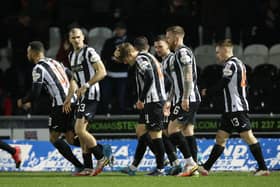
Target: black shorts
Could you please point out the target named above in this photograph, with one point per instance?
(60, 121)
(166, 121)
(154, 116)
(182, 116)
(235, 121)
(141, 119)
(87, 109)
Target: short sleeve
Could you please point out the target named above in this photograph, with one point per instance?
(93, 56)
(184, 56)
(228, 70)
(143, 64)
(37, 75)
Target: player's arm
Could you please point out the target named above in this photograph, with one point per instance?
(72, 89)
(188, 82)
(37, 85)
(148, 80)
(98, 66)
(169, 85)
(100, 72)
(186, 62)
(227, 76)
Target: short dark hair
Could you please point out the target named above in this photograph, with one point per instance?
(160, 37)
(141, 43)
(37, 46)
(177, 30)
(225, 43)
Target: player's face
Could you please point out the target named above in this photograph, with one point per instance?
(220, 53)
(30, 55)
(130, 59)
(76, 38)
(161, 48)
(171, 40)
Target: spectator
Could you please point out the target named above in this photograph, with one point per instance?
(116, 81)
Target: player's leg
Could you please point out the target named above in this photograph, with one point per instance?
(59, 123)
(85, 114)
(170, 150)
(156, 136)
(256, 150)
(64, 149)
(188, 129)
(178, 139)
(188, 132)
(14, 151)
(217, 150)
(143, 139)
(154, 124)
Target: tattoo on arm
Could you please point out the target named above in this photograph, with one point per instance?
(188, 83)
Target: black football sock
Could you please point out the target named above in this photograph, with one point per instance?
(7, 147)
(191, 140)
(169, 149)
(150, 143)
(97, 151)
(257, 153)
(214, 155)
(67, 153)
(159, 149)
(140, 149)
(87, 160)
(179, 140)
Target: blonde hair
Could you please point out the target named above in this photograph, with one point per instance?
(122, 51)
(177, 30)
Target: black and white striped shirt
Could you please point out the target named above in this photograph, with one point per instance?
(184, 56)
(81, 66)
(156, 92)
(166, 63)
(52, 75)
(235, 91)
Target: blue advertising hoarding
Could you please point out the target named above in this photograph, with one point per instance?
(42, 156)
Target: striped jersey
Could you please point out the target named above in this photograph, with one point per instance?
(81, 65)
(156, 93)
(166, 63)
(184, 56)
(235, 91)
(52, 75)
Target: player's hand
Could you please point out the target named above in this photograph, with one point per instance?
(66, 106)
(81, 91)
(185, 104)
(139, 105)
(203, 92)
(166, 108)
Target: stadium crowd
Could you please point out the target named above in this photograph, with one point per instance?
(249, 22)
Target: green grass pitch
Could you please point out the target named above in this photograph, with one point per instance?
(115, 179)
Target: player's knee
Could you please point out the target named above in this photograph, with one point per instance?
(249, 138)
(220, 140)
